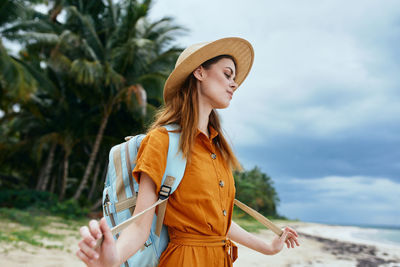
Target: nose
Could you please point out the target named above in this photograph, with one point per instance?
(233, 85)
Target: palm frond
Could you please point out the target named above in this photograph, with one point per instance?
(86, 72)
(112, 77)
(88, 31)
(30, 25)
(36, 37)
(39, 76)
(17, 81)
(59, 62)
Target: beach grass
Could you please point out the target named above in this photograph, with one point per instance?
(36, 228)
(42, 229)
(47, 239)
(252, 225)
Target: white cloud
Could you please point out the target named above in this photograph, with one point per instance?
(322, 68)
(317, 82)
(355, 199)
(357, 186)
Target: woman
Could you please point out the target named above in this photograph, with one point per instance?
(199, 212)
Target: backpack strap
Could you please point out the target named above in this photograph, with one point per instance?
(267, 223)
(123, 201)
(174, 171)
(176, 162)
(129, 168)
(164, 194)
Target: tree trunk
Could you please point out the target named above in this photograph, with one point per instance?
(94, 182)
(97, 204)
(41, 176)
(54, 12)
(103, 180)
(45, 174)
(93, 155)
(53, 185)
(65, 177)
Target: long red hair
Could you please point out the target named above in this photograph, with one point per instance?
(182, 109)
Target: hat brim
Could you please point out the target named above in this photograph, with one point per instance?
(240, 49)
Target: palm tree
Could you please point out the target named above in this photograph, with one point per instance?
(122, 49)
(16, 82)
(111, 54)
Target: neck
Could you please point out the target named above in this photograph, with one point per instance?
(204, 114)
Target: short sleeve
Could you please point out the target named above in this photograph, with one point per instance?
(152, 156)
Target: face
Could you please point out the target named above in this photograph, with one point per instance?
(216, 84)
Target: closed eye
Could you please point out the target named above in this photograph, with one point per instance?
(229, 74)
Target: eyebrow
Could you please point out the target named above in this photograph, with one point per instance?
(231, 71)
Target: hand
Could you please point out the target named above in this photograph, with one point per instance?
(289, 236)
(106, 254)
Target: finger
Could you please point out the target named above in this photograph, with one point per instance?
(87, 236)
(293, 231)
(291, 242)
(290, 238)
(284, 235)
(95, 229)
(287, 228)
(105, 229)
(88, 251)
(291, 235)
(293, 239)
(287, 243)
(83, 257)
(296, 241)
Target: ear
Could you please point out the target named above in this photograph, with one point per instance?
(199, 73)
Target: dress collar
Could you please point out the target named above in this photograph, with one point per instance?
(213, 132)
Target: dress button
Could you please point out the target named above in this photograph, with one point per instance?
(221, 183)
(224, 212)
(213, 156)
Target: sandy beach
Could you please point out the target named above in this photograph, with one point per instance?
(324, 245)
(321, 245)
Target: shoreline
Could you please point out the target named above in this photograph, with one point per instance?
(353, 234)
(320, 245)
(324, 245)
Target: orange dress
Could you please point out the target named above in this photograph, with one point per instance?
(199, 212)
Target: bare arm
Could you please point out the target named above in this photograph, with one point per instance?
(241, 236)
(131, 239)
(136, 234)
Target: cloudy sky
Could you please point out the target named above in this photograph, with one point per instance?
(320, 111)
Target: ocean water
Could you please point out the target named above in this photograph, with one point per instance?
(382, 234)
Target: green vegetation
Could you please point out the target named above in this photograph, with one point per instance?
(246, 222)
(38, 202)
(256, 190)
(35, 212)
(85, 75)
(36, 227)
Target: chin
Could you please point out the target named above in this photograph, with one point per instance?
(222, 105)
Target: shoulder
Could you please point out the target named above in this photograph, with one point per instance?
(157, 137)
(158, 132)
(152, 155)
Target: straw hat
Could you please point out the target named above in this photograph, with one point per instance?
(193, 56)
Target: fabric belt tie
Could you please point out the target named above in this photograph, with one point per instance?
(185, 239)
(231, 249)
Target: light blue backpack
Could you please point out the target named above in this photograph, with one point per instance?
(119, 195)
